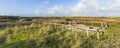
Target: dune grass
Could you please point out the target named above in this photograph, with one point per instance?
(44, 35)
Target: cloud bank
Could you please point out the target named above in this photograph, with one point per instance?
(88, 7)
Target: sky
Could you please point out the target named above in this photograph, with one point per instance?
(60, 7)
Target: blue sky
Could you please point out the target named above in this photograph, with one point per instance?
(60, 7)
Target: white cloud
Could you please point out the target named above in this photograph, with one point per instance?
(57, 10)
(37, 11)
(88, 7)
(3, 13)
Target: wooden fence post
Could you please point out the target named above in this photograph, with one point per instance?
(102, 26)
(87, 32)
(98, 35)
(72, 29)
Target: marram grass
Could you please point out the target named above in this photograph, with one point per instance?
(51, 36)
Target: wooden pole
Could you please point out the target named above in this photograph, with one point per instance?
(71, 26)
(72, 29)
(101, 25)
(98, 35)
(87, 33)
(56, 27)
(106, 25)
